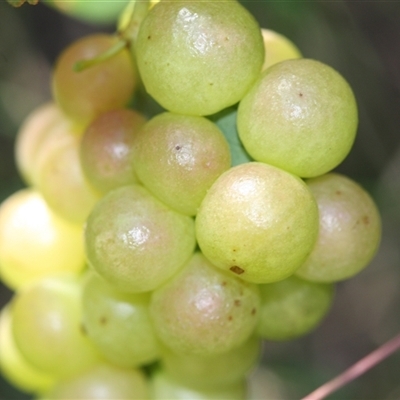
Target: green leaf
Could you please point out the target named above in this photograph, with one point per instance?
(226, 121)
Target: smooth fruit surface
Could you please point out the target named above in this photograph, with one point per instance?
(258, 222)
(301, 116)
(349, 232)
(198, 57)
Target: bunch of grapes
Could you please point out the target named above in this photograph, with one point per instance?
(158, 243)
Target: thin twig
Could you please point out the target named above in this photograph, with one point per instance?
(356, 370)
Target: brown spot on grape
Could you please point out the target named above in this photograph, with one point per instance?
(103, 321)
(177, 147)
(365, 220)
(149, 37)
(224, 283)
(300, 94)
(253, 311)
(338, 192)
(230, 318)
(237, 270)
(237, 303)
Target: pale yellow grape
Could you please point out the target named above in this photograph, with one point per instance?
(35, 242)
(103, 382)
(349, 233)
(118, 323)
(258, 222)
(14, 367)
(136, 242)
(277, 48)
(178, 158)
(59, 177)
(301, 116)
(220, 369)
(31, 134)
(292, 308)
(47, 319)
(198, 57)
(165, 388)
(203, 310)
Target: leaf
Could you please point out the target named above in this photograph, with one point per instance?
(226, 121)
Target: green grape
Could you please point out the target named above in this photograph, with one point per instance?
(102, 87)
(206, 371)
(258, 222)
(32, 133)
(103, 382)
(135, 242)
(99, 12)
(203, 310)
(301, 116)
(349, 232)
(198, 57)
(47, 327)
(292, 308)
(35, 242)
(59, 177)
(118, 323)
(165, 388)
(106, 149)
(226, 121)
(179, 157)
(277, 48)
(13, 366)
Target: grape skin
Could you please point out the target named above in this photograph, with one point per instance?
(189, 54)
(135, 242)
(257, 222)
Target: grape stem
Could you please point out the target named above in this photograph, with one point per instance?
(356, 370)
(127, 36)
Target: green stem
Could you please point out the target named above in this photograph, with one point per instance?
(127, 36)
(111, 52)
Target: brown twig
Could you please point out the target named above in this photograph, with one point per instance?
(356, 370)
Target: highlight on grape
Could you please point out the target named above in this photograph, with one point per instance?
(151, 254)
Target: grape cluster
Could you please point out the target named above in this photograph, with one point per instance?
(151, 253)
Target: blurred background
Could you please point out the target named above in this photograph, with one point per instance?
(361, 39)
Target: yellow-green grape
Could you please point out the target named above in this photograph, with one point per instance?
(103, 382)
(59, 177)
(106, 149)
(119, 323)
(35, 242)
(14, 367)
(258, 222)
(164, 387)
(99, 12)
(136, 242)
(220, 369)
(108, 85)
(277, 48)
(31, 135)
(349, 232)
(301, 116)
(47, 327)
(292, 308)
(198, 57)
(203, 310)
(178, 158)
